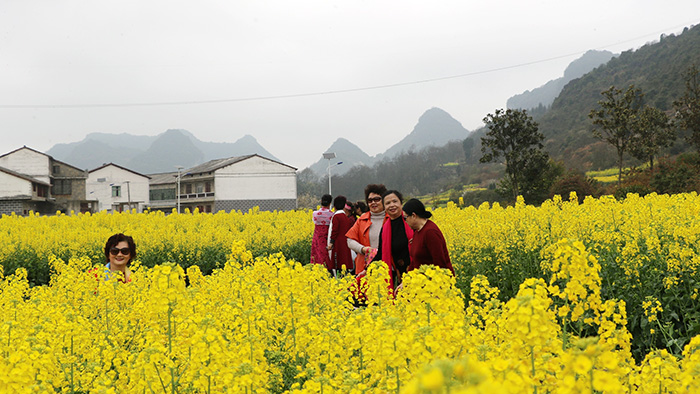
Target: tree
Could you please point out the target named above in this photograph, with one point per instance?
(468, 146)
(514, 137)
(653, 132)
(617, 119)
(688, 107)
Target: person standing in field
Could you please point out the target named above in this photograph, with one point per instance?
(363, 236)
(322, 221)
(394, 247)
(428, 246)
(337, 242)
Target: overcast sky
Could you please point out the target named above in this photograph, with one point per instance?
(70, 68)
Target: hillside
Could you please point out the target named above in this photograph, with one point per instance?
(347, 153)
(545, 94)
(656, 68)
(435, 127)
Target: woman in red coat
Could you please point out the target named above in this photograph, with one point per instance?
(428, 245)
(337, 241)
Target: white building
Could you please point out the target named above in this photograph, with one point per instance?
(66, 191)
(235, 183)
(21, 193)
(117, 188)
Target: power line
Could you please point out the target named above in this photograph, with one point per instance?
(322, 93)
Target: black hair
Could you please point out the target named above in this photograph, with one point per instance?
(339, 203)
(326, 200)
(114, 241)
(362, 205)
(374, 188)
(416, 206)
(388, 192)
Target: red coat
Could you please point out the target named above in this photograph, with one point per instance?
(429, 247)
(341, 255)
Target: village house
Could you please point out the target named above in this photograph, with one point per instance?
(38, 182)
(235, 183)
(117, 189)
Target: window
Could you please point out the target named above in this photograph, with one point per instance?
(42, 191)
(56, 169)
(200, 188)
(188, 188)
(207, 187)
(162, 194)
(61, 187)
(116, 191)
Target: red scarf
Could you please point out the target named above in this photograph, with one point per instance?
(386, 246)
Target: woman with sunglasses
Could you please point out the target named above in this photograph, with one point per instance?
(120, 250)
(363, 236)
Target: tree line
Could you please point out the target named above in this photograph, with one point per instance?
(622, 119)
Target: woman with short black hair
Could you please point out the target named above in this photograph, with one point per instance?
(428, 246)
(120, 251)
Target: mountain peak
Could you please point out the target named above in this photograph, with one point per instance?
(435, 127)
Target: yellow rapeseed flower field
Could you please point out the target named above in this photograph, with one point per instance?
(563, 298)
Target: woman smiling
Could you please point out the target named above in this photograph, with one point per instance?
(394, 247)
(120, 250)
(363, 236)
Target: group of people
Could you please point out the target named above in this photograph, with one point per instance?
(400, 234)
(382, 227)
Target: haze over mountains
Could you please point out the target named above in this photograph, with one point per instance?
(545, 94)
(152, 154)
(177, 147)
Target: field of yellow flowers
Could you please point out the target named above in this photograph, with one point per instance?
(566, 297)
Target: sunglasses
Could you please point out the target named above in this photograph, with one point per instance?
(115, 251)
(374, 199)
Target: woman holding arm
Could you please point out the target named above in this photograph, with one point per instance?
(363, 236)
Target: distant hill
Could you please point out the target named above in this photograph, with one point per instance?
(657, 68)
(149, 154)
(348, 153)
(545, 94)
(169, 146)
(434, 128)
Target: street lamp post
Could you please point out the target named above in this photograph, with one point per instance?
(128, 192)
(177, 188)
(329, 156)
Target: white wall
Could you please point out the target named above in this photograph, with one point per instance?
(27, 162)
(99, 187)
(255, 179)
(12, 186)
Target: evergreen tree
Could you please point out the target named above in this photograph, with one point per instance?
(514, 137)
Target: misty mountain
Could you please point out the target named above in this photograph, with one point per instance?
(145, 153)
(434, 128)
(348, 153)
(545, 94)
(99, 148)
(169, 146)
